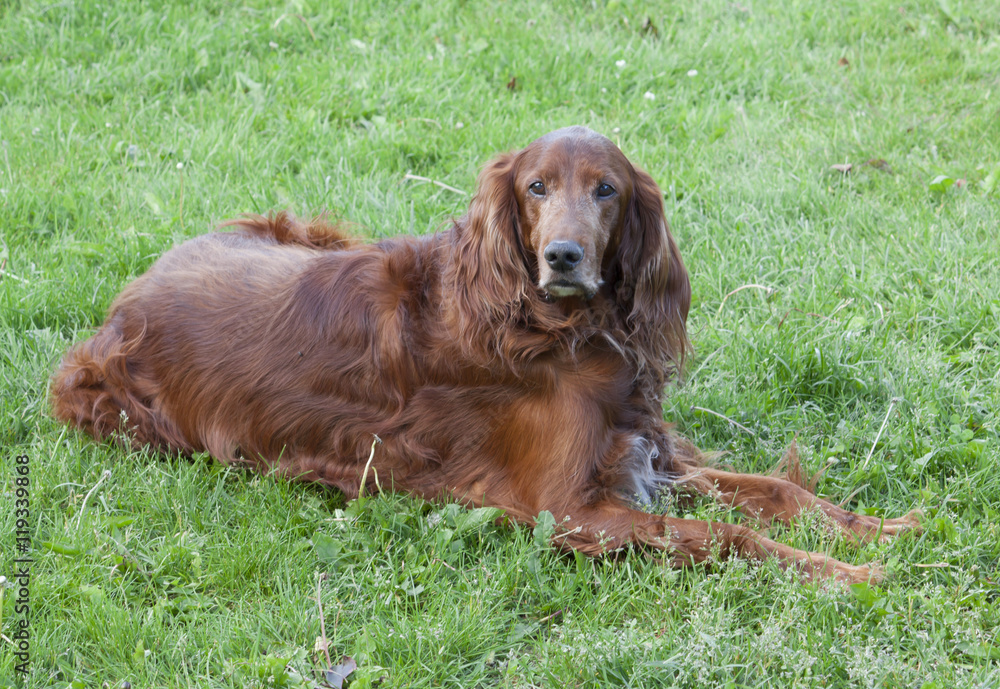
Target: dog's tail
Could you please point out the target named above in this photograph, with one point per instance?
(99, 388)
(285, 228)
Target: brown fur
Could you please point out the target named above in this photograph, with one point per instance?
(489, 378)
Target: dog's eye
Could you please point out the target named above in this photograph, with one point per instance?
(605, 190)
(537, 188)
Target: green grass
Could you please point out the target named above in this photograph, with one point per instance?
(127, 127)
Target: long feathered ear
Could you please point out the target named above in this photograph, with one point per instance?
(652, 288)
(491, 278)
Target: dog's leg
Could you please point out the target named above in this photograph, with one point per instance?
(691, 541)
(604, 528)
(771, 499)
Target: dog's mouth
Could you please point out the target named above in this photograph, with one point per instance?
(562, 287)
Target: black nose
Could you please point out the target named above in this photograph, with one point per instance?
(563, 256)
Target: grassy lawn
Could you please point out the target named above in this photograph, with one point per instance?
(867, 327)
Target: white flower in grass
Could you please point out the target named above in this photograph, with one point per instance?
(620, 63)
(692, 72)
(649, 95)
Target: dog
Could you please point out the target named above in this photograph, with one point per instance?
(517, 359)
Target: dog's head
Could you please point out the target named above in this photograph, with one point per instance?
(572, 187)
(570, 217)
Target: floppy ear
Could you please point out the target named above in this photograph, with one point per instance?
(491, 278)
(652, 287)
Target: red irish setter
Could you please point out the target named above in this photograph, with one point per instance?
(517, 359)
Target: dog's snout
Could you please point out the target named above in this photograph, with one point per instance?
(563, 256)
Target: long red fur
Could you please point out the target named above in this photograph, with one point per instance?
(288, 344)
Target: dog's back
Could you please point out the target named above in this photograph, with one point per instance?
(217, 288)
